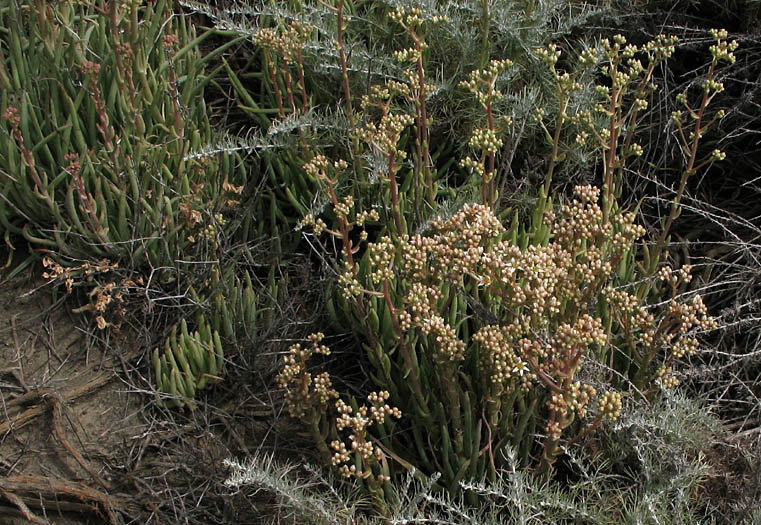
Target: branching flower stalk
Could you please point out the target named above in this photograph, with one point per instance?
(624, 69)
(73, 170)
(482, 84)
(124, 67)
(722, 51)
(352, 289)
(307, 396)
(91, 70)
(299, 35)
(566, 84)
(318, 168)
(412, 21)
(338, 10)
(170, 42)
(385, 136)
(673, 330)
(11, 114)
(267, 38)
(307, 399)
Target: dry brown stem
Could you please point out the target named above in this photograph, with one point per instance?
(22, 419)
(45, 488)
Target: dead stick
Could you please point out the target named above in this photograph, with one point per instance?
(32, 395)
(20, 375)
(59, 505)
(57, 416)
(28, 415)
(28, 514)
(57, 488)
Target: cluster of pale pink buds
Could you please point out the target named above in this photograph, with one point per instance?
(610, 405)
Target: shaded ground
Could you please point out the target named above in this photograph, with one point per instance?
(81, 441)
(66, 415)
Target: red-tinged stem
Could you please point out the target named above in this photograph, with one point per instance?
(689, 170)
(424, 135)
(592, 426)
(544, 377)
(344, 230)
(394, 192)
(405, 351)
(490, 170)
(273, 79)
(344, 68)
(287, 81)
(614, 128)
(302, 83)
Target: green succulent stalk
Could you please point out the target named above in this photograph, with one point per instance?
(110, 158)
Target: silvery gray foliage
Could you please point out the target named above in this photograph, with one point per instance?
(668, 438)
(297, 493)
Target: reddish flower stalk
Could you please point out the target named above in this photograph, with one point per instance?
(273, 80)
(12, 116)
(91, 69)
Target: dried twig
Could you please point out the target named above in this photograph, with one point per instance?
(25, 417)
(57, 416)
(49, 488)
(22, 507)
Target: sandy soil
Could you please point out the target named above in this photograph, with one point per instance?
(65, 414)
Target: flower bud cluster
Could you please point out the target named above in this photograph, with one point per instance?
(567, 83)
(712, 86)
(385, 135)
(317, 166)
(549, 55)
(685, 346)
(610, 405)
(382, 259)
(305, 393)
(344, 207)
(661, 48)
(413, 17)
(475, 167)
(482, 82)
(621, 300)
(407, 17)
(569, 339)
(665, 376)
(364, 216)
(380, 409)
(692, 314)
(368, 455)
(458, 245)
(723, 50)
(579, 397)
(318, 225)
(350, 286)
(410, 54)
(288, 42)
(485, 139)
(573, 400)
(582, 225)
(170, 41)
(499, 358)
